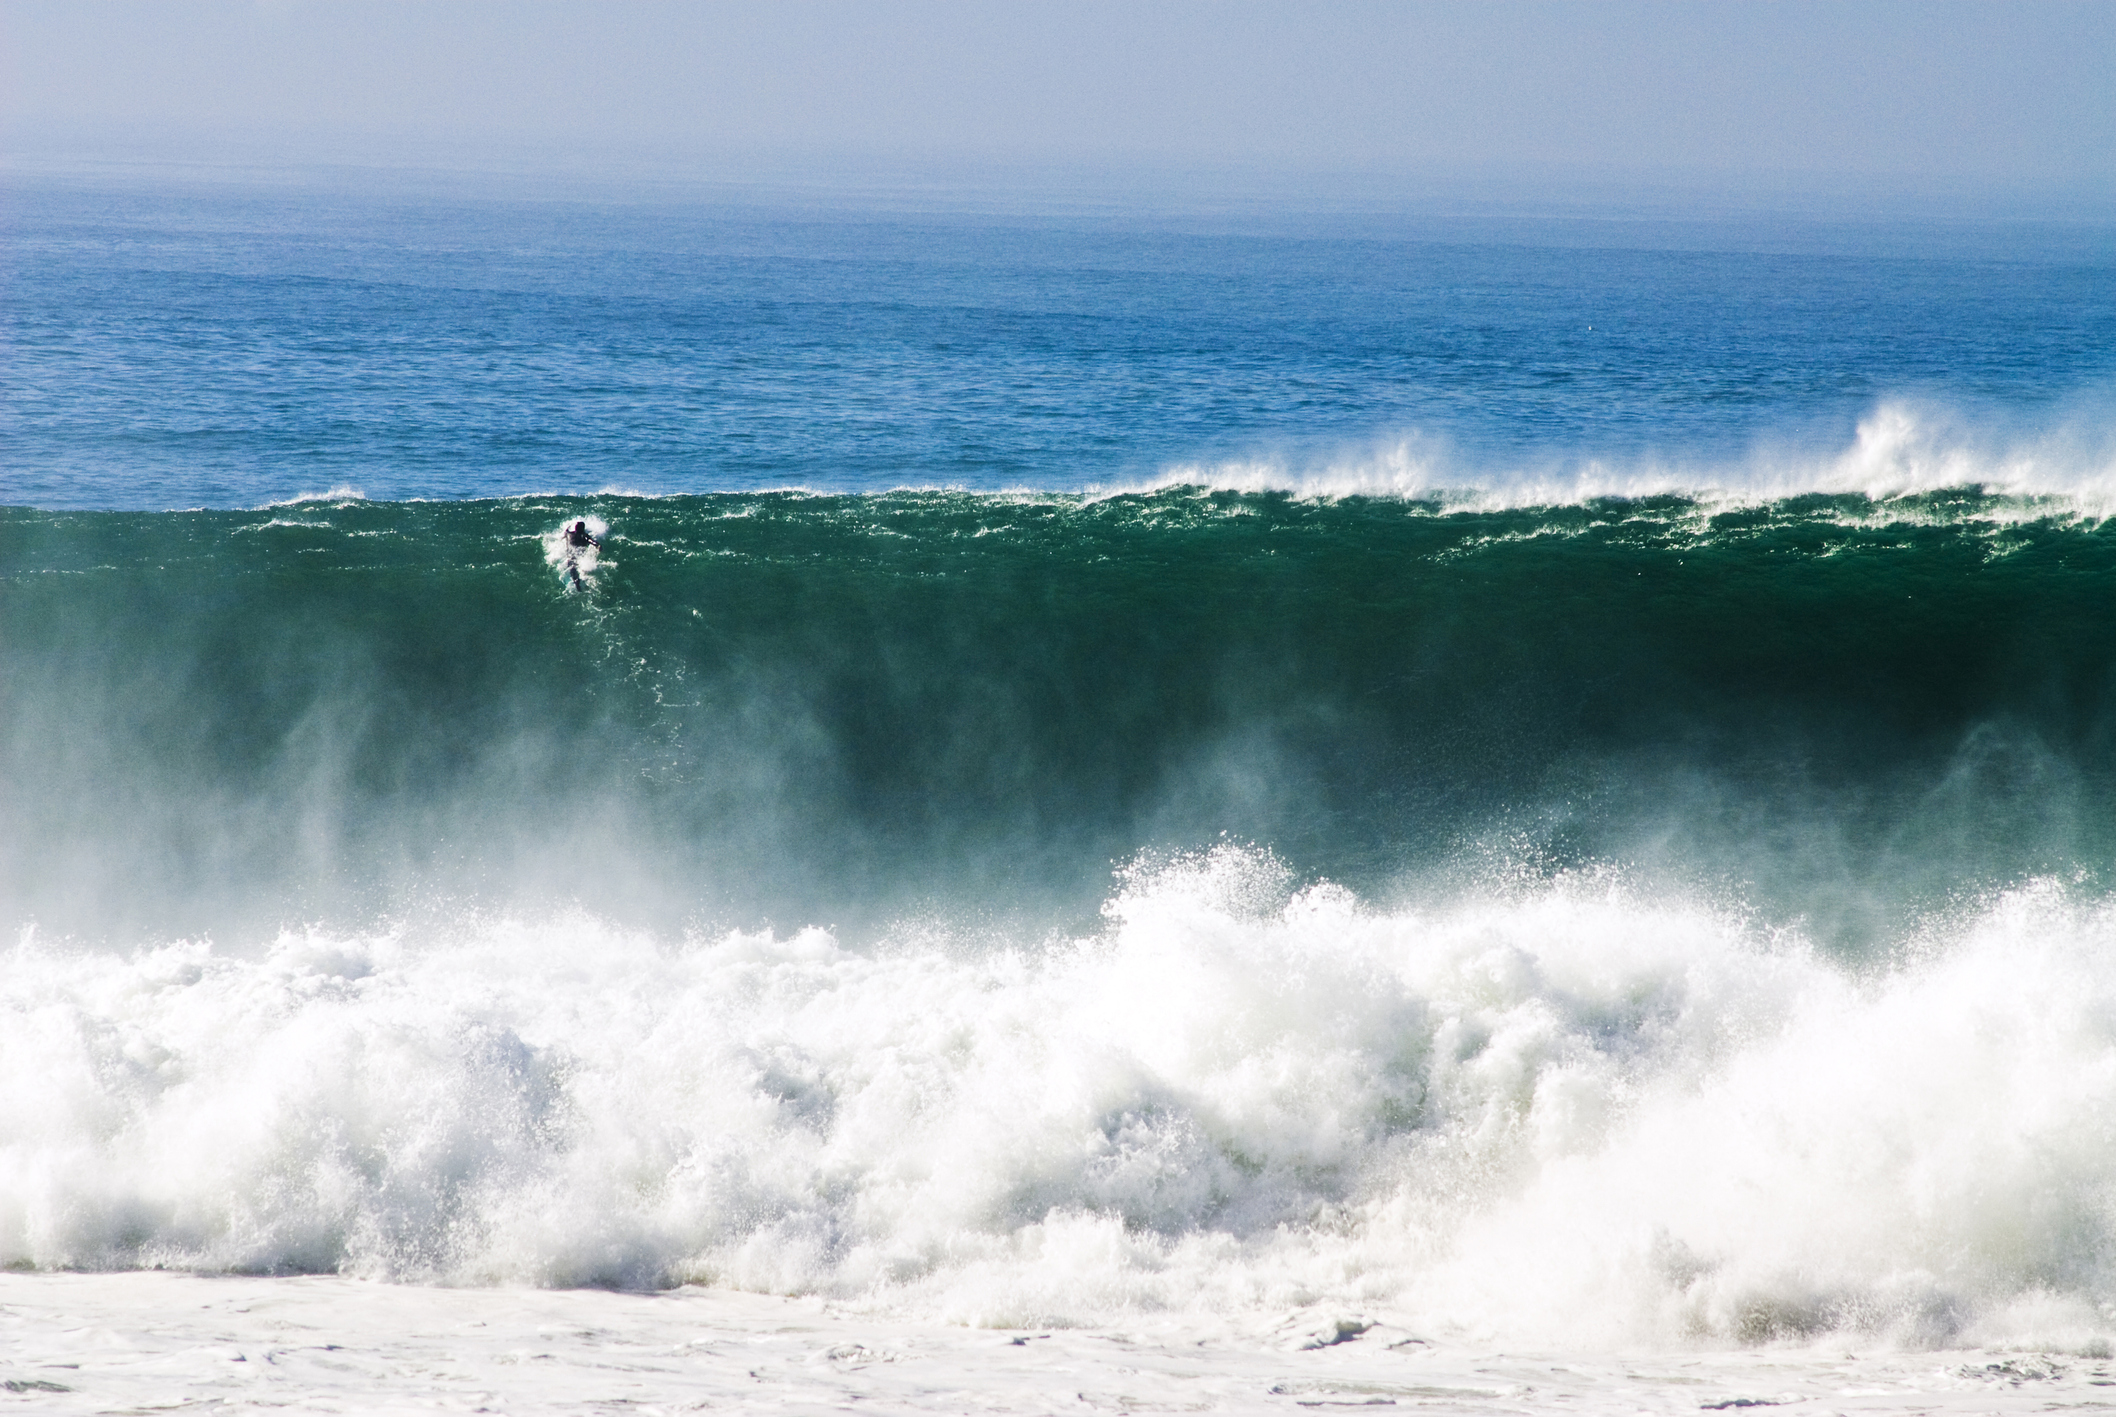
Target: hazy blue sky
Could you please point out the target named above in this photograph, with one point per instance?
(2016, 97)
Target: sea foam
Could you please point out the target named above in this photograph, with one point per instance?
(1899, 448)
(1560, 1111)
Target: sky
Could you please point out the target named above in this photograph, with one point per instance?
(2012, 99)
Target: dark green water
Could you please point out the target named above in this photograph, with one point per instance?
(853, 709)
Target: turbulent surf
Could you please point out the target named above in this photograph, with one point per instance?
(1559, 795)
(1649, 916)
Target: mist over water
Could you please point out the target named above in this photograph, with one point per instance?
(1837, 710)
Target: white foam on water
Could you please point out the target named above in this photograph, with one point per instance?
(342, 495)
(1562, 1113)
(1901, 448)
(577, 564)
(100, 1343)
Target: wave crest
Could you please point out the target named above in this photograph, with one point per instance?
(1901, 448)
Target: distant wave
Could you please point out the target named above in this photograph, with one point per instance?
(343, 492)
(1900, 449)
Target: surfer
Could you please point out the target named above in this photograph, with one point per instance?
(577, 540)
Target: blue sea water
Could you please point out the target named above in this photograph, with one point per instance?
(1540, 773)
(197, 346)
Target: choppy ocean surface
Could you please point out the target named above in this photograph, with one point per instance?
(1555, 791)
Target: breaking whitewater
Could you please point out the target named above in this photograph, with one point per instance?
(1251, 1147)
(1641, 924)
(1569, 1115)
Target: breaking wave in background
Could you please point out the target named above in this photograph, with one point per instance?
(1901, 448)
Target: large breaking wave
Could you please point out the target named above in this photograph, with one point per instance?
(1653, 916)
(1840, 708)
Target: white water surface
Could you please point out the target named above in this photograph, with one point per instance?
(1563, 1116)
(155, 1342)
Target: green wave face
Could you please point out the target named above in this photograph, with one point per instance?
(847, 710)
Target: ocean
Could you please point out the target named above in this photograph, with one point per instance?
(1537, 783)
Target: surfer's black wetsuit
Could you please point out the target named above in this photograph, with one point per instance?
(578, 538)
